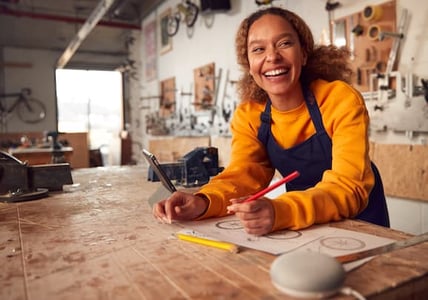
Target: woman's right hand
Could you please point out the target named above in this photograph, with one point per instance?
(180, 206)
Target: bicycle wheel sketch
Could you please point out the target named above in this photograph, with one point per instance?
(284, 235)
(31, 110)
(342, 243)
(229, 225)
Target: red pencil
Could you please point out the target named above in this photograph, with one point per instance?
(286, 179)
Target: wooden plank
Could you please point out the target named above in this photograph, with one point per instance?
(40, 156)
(169, 149)
(12, 277)
(100, 241)
(79, 142)
(224, 146)
(404, 170)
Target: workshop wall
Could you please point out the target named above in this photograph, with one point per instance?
(189, 50)
(35, 69)
(211, 40)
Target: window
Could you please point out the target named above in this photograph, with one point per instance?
(91, 101)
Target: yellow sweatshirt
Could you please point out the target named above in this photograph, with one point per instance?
(343, 191)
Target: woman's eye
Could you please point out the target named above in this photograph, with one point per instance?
(285, 43)
(257, 49)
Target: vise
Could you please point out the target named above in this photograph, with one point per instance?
(21, 182)
(193, 169)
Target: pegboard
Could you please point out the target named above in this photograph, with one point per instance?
(362, 33)
(167, 100)
(169, 149)
(204, 87)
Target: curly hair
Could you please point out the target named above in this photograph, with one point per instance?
(323, 62)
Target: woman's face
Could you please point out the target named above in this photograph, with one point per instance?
(275, 57)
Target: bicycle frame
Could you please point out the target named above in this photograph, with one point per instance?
(29, 110)
(4, 108)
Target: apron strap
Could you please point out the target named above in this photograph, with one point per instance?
(264, 130)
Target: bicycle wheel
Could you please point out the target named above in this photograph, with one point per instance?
(192, 11)
(31, 110)
(173, 24)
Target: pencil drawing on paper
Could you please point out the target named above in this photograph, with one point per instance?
(229, 225)
(284, 235)
(330, 240)
(342, 243)
(277, 235)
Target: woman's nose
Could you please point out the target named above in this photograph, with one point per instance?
(272, 54)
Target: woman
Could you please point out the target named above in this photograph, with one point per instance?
(297, 113)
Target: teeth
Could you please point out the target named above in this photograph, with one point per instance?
(275, 72)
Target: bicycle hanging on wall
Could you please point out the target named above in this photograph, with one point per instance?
(28, 109)
(186, 11)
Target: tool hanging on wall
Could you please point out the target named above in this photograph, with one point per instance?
(183, 109)
(264, 2)
(186, 11)
(383, 84)
(330, 7)
(228, 108)
(215, 109)
(372, 13)
(397, 39)
(425, 88)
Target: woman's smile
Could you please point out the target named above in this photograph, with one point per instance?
(276, 72)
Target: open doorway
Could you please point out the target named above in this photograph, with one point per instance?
(91, 101)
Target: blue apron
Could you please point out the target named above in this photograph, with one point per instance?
(312, 157)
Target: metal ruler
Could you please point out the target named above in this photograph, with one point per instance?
(383, 249)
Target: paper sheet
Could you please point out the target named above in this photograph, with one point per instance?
(319, 238)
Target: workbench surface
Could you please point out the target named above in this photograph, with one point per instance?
(100, 241)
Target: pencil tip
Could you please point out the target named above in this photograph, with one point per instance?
(234, 249)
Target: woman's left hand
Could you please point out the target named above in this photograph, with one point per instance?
(256, 216)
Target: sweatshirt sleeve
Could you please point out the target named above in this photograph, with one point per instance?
(249, 169)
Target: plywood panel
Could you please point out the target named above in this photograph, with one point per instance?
(404, 170)
(167, 101)
(204, 86)
(224, 145)
(169, 149)
(363, 36)
(79, 142)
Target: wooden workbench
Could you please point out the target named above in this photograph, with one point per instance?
(100, 241)
(41, 156)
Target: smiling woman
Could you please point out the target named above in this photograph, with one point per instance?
(297, 113)
(91, 101)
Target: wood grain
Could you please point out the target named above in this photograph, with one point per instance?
(100, 241)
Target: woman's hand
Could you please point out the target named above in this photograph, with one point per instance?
(256, 216)
(180, 206)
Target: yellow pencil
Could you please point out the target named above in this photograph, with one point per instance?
(207, 242)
